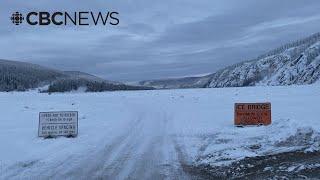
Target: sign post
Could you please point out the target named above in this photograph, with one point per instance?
(252, 114)
(53, 124)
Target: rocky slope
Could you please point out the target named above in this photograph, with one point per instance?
(295, 63)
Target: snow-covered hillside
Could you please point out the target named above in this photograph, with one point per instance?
(154, 134)
(295, 63)
(22, 76)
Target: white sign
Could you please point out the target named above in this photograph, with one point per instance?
(64, 123)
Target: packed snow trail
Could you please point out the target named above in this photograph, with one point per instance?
(144, 151)
(151, 134)
(140, 149)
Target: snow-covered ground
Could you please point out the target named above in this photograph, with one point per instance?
(143, 134)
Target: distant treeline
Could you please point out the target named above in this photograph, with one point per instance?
(66, 85)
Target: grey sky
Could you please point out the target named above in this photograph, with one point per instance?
(157, 39)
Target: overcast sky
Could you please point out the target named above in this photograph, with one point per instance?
(157, 39)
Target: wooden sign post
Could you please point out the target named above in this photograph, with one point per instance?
(252, 114)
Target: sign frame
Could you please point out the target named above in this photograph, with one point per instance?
(53, 136)
(254, 115)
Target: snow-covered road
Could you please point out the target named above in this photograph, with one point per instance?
(144, 150)
(131, 142)
(150, 134)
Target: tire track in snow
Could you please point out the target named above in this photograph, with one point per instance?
(145, 151)
(93, 167)
(76, 167)
(144, 155)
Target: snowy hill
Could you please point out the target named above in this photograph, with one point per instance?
(295, 63)
(173, 134)
(177, 83)
(79, 74)
(21, 76)
(83, 75)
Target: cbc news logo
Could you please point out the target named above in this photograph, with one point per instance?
(83, 18)
(17, 18)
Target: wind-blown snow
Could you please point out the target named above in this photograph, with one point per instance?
(147, 134)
